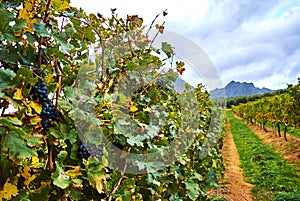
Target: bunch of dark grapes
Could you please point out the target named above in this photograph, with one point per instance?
(49, 112)
(160, 82)
(40, 92)
(85, 151)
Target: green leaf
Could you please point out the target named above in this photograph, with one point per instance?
(75, 194)
(17, 147)
(96, 174)
(6, 166)
(62, 41)
(59, 177)
(167, 49)
(121, 126)
(55, 133)
(53, 86)
(62, 155)
(6, 77)
(14, 121)
(136, 140)
(152, 130)
(41, 29)
(64, 104)
(20, 24)
(192, 188)
(7, 122)
(34, 140)
(69, 92)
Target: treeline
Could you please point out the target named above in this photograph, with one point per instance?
(279, 109)
(234, 101)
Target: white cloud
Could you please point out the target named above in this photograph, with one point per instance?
(188, 11)
(255, 41)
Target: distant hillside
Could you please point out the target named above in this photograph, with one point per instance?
(234, 89)
(179, 85)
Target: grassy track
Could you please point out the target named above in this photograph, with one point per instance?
(273, 178)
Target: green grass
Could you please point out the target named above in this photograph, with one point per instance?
(273, 177)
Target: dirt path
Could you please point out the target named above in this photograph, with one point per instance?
(233, 185)
(290, 150)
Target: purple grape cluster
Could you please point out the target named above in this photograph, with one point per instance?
(85, 151)
(160, 82)
(49, 112)
(40, 92)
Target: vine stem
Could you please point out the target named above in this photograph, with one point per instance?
(41, 38)
(155, 36)
(50, 150)
(119, 182)
(152, 24)
(2, 113)
(58, 73)
(50, 157)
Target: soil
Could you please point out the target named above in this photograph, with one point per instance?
(233, 185)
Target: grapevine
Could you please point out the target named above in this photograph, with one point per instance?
(278, 110)
(49, 150)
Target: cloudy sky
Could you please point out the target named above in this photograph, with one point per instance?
(247, 40)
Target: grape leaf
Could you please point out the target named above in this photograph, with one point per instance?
(27, 176)
(18, 95)
(133, 109)
(8, 190)
(136, 140)
(96, 174)
(60, 5)
(37, 107)
(59, 177)
(6, 78)
(192, 188)
(167, 49)
(17, 147)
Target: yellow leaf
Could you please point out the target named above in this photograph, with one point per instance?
(8, 191)
(60, 5)
(18, 95)
(148, 109)
(27, 175)
(35, 162)
(28, 108)
(214, 165)
(133, 109)
(74, 173)
(28, 14)
(36, 106)
(111, 81)
(35, 120)
(119, 199)
(49, 78)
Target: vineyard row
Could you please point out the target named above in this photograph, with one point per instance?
(282, 109)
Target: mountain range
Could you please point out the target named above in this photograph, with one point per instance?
(234, 89)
